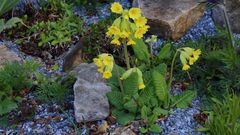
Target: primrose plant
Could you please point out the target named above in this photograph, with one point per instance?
(141, 90)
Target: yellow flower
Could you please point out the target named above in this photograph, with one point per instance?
(134, 13)
(131, 42)
(100, 69)
(98, 62)
(196, 54)
(107, 60)
(185, 67)
(113, 30)
(125, 34)
(141, 86)
(141, 21)
(145, 27)
(116, 8)
(191, 60)
(115, 41)
(140, 32)
(107, 74)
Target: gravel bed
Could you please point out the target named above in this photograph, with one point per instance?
(181, 121)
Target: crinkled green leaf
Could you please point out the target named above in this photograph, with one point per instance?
(141, 51)
(160, 111)
(123, 118)
(116, 99)
(12, 22)
(165, 52)
(184, 99)
(160, 85)
(130, 85)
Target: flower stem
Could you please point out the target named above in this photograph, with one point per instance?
(171, 73)
(126, 56)
(228, 25)
(189, 76)
(119, 80)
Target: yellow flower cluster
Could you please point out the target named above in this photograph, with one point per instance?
(130, 26)
(139, 73)
(104, 63)
(188, 57)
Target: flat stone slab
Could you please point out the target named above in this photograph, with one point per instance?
(7, 55)
(90, 100)
(170, 18)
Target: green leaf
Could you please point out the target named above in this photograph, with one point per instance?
(155, 128)
(162, 69)
(184, 99)
(116, 99)
(7, 105)
(144, 112)
(165, 52)
(154, 101)
(130, 85)
(160, 111)
(1, 25)
(215, 100)
(141, 51)
(152, 119)
(4, 122)
(116, 74)
(123, 118)
(131, 106)
(143, 130)
(160, 86)
(12, 22)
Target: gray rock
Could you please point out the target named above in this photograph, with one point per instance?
(73, 57)
(233, 11)
(90, 101)
(170, 18)
(8, 55)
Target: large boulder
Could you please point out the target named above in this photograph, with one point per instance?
(170, 18)
(7, 55)
(233, 11)
(90, 100)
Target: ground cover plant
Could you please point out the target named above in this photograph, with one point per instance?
(14, 78)
(51, 33)
(225, 116)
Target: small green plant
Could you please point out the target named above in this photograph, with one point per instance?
(89, 4)
(225, 117)
(60, 31)
(141, 91)
(14, 77)
(9, 24)
(48, 90)
(5, 6)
